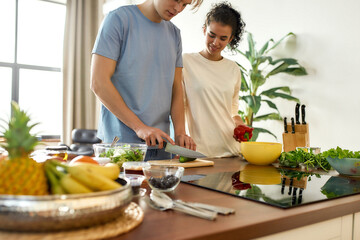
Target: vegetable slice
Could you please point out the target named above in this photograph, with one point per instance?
(186, 159)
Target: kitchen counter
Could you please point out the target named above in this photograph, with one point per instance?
(251, 219)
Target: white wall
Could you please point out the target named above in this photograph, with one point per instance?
(327, 45)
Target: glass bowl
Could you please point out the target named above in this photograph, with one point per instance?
(163, 178)
(134, 167)
(345, 166)
(136, 180)
(121, 152)
(63, 212)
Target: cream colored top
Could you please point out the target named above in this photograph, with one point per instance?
(211, 100)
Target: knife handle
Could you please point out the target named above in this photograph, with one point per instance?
(297, 113)
(303, 114)
(285, 125)
(292, 125)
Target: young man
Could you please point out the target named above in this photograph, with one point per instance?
(136, 74)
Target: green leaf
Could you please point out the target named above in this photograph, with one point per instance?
(262, 59)
(269, 116)
(239, 51)
(244, 85)
(278, 42)
(296, 71)
(271, 104)
(253, 102)
(273, 90)
(281, 68)
(257, 79)
(256, 132)
(251, 44)
(241, 67)
(265, 47)
(281, 95)
(290, 61)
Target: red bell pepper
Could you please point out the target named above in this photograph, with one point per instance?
(243, 133)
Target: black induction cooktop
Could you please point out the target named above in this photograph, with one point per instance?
(283, 188)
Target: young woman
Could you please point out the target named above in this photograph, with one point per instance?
(136, 74)
(212, 85)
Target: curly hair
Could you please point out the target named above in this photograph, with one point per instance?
(224, 13)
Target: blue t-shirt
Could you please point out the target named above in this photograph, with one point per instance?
(147, 54)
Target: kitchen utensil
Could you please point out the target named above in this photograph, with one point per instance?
(161, 207)
(218, 209)
(285, 125)
(181, 151)
(299, 135)
(115, 140)
(175, 162)
(261, 153)
(297, 113)
(165, 202)
(303, 114)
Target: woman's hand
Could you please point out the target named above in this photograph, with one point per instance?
(243, 133)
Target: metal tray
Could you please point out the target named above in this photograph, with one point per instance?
(63, 212)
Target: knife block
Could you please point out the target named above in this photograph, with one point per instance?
(298, 139)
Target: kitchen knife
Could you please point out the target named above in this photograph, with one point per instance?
(297, 113)
(285, 125)
(292, 125)
(303, 114)
(175, 149)
(181, 151)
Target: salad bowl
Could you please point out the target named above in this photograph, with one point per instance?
(121, 152)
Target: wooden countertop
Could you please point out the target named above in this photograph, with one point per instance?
(250, 220)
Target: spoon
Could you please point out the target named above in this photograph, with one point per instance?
(162, 203)
(115, 140)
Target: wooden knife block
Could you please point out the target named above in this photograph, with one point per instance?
(298, 139)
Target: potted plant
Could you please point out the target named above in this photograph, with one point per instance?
(262, 66)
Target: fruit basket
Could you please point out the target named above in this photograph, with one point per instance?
(63, 212)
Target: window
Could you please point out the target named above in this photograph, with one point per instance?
(31, 47)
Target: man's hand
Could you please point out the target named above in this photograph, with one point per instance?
(153, 136)
(184, 140)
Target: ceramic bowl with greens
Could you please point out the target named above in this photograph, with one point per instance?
(344, 161)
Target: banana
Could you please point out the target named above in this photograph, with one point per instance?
(55, 186)
(72, 186)
(110, 170)
(66, 182)
(91, 179)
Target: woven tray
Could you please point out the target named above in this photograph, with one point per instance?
(132, 217)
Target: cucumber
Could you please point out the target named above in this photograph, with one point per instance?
(185, 159)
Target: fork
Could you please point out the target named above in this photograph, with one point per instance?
(162, 204)
(115, 140)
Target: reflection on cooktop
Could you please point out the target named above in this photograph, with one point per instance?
(278, 187)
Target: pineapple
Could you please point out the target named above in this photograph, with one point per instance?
(20, 174)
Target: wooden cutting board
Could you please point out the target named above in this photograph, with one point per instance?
(175, 162)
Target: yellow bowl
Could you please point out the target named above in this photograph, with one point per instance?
(261, 153)
(264, 175)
